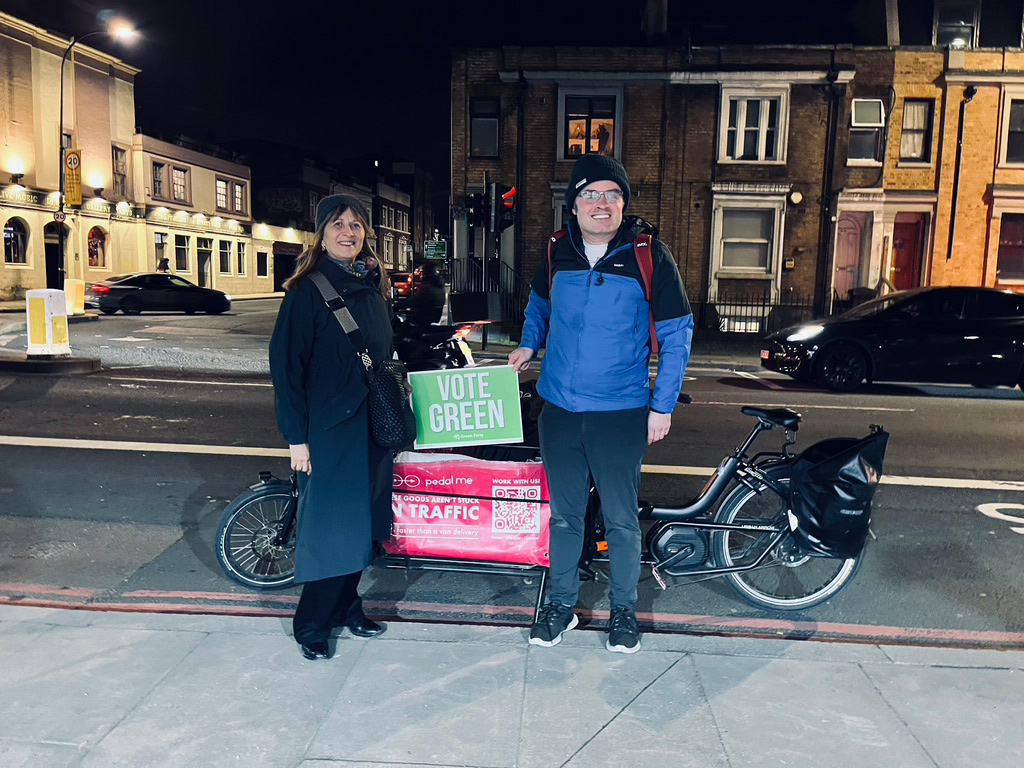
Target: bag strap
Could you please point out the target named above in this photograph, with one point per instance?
(337, 307)
(642, 250)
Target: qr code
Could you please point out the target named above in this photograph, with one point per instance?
(515, 510)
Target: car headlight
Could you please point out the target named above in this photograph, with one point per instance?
(805, 332)
(227, 297)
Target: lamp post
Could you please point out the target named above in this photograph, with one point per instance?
(120, 31)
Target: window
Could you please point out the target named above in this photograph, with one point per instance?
(312, 205)
(483, 127)
(916, 136)
(998, 304)
(239, 198)
(956, 25)
(158, 179)
(589, 125)
(97, 246)
(65, 140)
(754, 126)
(262, 264)
(120, 167)
(225, 257)
(15, 242)
(159, 245)
(241, 258)
(179, 178)
(222, 194)
(1010, 260)
(181, 253)
(747, 239)
(1015, 132)
(867, 121)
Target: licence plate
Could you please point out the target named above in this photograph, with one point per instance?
(464, 348)
(764, 354)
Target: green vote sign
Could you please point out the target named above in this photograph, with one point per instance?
(466, 406)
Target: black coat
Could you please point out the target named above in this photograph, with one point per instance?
(320, 397)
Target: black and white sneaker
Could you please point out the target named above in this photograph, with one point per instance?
(623, 633)
(554, 621)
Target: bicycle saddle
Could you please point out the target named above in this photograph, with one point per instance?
(782, 417)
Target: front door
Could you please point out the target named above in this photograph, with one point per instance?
(846, 276)
(205, 261)
(55, 260)
(907, 249)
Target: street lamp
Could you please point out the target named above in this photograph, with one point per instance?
(118, 29)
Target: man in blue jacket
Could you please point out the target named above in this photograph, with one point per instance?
(594, 316)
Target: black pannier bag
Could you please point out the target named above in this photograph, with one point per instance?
(830, 493)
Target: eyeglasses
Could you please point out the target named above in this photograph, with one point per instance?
(592, 195)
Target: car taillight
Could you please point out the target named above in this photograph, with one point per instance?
(99, 288)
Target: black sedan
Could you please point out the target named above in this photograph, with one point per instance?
(154, 291)
(947, 335)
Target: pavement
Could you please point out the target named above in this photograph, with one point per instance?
(101, 688)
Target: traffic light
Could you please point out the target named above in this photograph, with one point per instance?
(502, 203)
(476, 209)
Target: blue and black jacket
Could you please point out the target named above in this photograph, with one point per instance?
(595, 325)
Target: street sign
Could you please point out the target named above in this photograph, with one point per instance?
(73, 176)
(435, 249)
(59, 216)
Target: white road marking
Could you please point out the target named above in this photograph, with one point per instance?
(654, 469)
(193, 381)
(7, 338)
(129, 338)
(993, 511)
(805, 406)
(759, 380)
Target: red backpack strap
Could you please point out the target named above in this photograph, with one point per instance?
(642, 248)
(551, 244)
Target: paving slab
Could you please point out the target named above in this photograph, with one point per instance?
(237, 701)
(433, 703)
(73, 684)
(14, 753)
(964, 718)
(778, 712)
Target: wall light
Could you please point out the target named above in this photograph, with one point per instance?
(17, 177)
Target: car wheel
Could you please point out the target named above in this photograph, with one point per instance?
(107, 310)
(131, 306)
(841, 368)
(215, 308)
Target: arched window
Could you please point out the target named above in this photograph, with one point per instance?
(15, 242)
(97, 247)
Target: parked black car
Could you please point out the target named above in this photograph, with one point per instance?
(948, 335)
(154, 291)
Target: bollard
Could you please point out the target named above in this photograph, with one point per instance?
(74, 292)
(46, 320)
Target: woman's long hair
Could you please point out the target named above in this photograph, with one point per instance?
(309, 260)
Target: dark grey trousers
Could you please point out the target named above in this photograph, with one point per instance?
(609, 446)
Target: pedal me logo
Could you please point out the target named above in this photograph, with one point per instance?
(415, 481)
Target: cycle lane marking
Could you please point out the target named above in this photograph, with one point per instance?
(653, 469)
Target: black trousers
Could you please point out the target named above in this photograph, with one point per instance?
(325, 604)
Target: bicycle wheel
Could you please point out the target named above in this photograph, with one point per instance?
(788, 579)
(244, 542)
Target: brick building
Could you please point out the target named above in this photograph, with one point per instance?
(737, 154)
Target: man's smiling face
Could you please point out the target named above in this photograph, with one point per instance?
(599, 220)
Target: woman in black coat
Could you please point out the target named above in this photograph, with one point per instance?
(320, 396)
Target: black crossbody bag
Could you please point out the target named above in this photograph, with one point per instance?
(392, 424)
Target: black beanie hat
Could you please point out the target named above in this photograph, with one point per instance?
(594, 167)
(326, 208)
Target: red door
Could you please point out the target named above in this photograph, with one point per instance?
(907, 247)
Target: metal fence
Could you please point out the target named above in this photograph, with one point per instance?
(467, 275)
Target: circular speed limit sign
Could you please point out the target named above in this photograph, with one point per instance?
(72, 162)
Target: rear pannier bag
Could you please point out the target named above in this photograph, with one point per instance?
(830, 493)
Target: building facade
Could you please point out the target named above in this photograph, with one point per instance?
(392, 214)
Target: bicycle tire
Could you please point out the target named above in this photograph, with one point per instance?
(780, 583)
(243, 540)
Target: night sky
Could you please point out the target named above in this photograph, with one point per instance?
(351, 79)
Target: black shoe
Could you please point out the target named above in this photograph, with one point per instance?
(315, 651)
(554, 621)
(623, 633)
(364, 627)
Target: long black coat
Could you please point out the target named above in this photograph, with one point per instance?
(320, 397)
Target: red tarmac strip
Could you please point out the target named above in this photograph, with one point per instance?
(209, 603)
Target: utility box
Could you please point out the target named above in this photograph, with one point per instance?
(467, 306)
(46, 321)
(74, 293)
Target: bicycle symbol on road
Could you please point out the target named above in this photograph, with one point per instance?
(993, 511)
